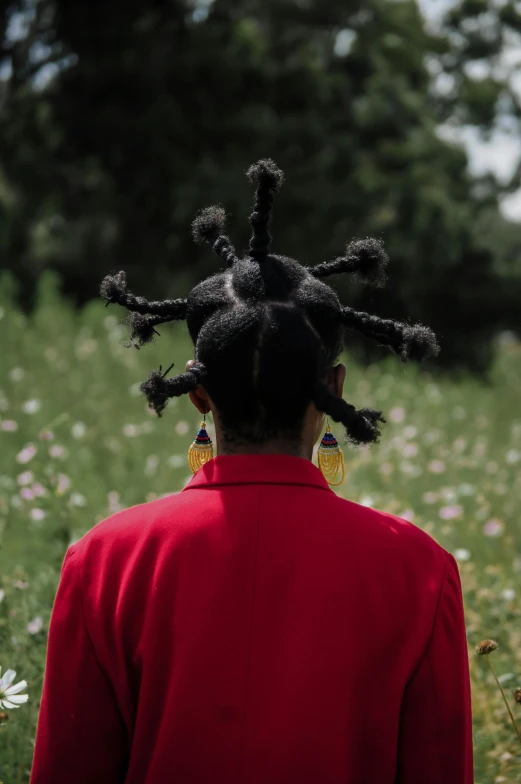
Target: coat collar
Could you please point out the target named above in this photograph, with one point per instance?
(275, 469)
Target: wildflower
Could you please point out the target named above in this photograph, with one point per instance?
(397, 414)
(34, 626)
(182, 428)
(9, 425)
(461, 554)
(25, 478)
(386, 469)
(493, 528)
(27, 453)
(151, 465)
(508, 594)
(451, 512)
(17, 374)
(130, 431)
(176, 461)
(436, 466)
(37, 514)
(430, 498)
(513, 456)
(20, 584)
(63, 484)
(2, 595)
(46, 435)
(78, 430)
(410, 431)
(408, 515)
(113, 498)
(410, 450)
(9, 695)
(32, 406)
(485, 647)
(38, 490)
(56, 450)
(466, 489)
(77, 499)
(366, 500)
(26, 493)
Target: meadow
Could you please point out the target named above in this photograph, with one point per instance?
(77, 443)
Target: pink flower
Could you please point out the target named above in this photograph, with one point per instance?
(493, 528)
(26, 493)
(430, 498)
(451, 512)
(37, 514)
(20, 585)
(9, 425)
(410, 450)
(25, 478)
(63, 484)
(397, 414)
(38, 490)
(27, 453)
(46, 435)
(56, 451)
(436, 466)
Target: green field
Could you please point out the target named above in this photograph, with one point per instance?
(449, 461)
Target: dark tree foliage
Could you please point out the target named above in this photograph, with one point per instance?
(149, 108)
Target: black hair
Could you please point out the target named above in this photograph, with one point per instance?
(249, 321)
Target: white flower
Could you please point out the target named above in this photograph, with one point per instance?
(367, 500)
(78, 430)
(151, 465)
(25, 478)
(182, 428)
(9, 696)
(34, 626)
(397, 414)
(513, 456)
(16, 374)
(176, 461)
(77, 499)
(37, 514)
(32, 406)
(2, 595)
(461, 554)
(509, 594)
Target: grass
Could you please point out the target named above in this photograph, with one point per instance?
(449, 461)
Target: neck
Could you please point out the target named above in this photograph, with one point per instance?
(267, 448)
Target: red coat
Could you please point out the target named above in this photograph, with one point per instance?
(256, 628)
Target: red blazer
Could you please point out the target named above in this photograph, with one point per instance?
(256, 628)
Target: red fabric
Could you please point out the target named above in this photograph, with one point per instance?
(256, 628)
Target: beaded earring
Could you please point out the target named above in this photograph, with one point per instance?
(201, 449)
(331, 458)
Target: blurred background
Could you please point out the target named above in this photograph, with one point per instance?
(398, 119)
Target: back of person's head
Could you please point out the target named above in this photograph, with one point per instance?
(260, 315)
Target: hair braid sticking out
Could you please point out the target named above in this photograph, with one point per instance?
(260, 314)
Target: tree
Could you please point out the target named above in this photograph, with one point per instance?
(155, 109)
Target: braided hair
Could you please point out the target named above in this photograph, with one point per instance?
(248, 321)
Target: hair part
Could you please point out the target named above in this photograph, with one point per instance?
(248, 320)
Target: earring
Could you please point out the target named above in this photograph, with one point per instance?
(331, 458)
(201, 449)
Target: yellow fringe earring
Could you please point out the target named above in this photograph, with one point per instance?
(331, 459)
(201, 449)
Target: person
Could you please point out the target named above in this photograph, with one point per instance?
(255, 626)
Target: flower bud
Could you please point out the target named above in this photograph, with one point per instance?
(485, 647)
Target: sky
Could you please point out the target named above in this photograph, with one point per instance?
(503, 153)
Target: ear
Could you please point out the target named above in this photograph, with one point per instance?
(199, 396)
(336, 378)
